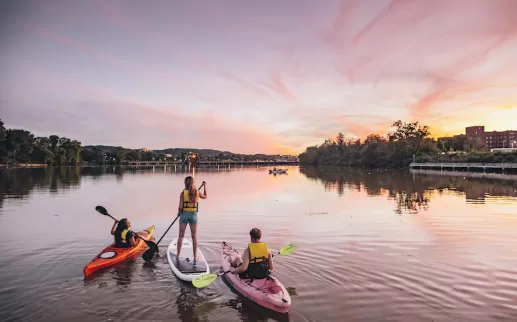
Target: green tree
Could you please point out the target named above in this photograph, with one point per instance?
(19, 145)
(3, 131)
(133, 155)
(41, 152)
(411, 134)
(3, 148)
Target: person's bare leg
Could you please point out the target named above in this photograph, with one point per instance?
(193, 232)
(183, 227)
(235, 261)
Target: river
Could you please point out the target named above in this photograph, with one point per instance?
(371, 245)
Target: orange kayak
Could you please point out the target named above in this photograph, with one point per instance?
(111, 254)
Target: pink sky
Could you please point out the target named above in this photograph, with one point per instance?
(255, 77)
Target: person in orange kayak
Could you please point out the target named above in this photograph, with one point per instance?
(124, 237)
(187, 210)
(256, 261)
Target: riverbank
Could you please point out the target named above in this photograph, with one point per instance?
(23, 165)
(467, 160)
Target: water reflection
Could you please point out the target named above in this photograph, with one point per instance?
(250, 311)
(19, 183)
(193, 307)
(411, 192)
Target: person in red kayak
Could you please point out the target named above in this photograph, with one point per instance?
(187, 210)
(256, 261)
(124, 237)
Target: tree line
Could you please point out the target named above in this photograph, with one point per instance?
(407, 143)
(393, 150)
(21, 146)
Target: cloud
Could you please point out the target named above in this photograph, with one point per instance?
(356, 68)
(278, 86)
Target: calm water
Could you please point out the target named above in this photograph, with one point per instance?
(372, 246)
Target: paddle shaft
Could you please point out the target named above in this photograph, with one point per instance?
(167, 230)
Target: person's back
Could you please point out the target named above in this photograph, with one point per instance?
(258, 254)
(256, 261)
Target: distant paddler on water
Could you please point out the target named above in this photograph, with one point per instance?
(275, 170)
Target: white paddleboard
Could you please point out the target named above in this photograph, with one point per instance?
(183, 267)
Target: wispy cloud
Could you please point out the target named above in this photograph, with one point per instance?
(260, 71)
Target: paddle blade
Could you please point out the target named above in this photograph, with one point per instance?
(204, 280)
(287, 249)
(102, 210)
(149, 254)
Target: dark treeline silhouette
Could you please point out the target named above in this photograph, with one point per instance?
(409, 142)
(22, 147)
(394, 150)
(410, 192)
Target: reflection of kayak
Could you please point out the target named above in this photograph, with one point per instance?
(184, 267)
(112, 255)
(269, 293)
(277, 171)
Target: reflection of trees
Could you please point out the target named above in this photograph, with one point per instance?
(18, 183)
(410, 192)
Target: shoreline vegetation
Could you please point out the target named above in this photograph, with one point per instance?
(410, 142)
(20, 148)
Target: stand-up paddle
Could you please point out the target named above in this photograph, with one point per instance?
(149, 254)
(103, 211)
(207, 279)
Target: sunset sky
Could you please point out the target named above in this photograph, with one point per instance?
(254, 76)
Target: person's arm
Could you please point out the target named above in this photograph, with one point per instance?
(270, 261)
(114, 227)
(132, 239)
(245, 263)
(180, 207)
(203, 195)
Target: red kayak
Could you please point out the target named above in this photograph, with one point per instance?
(267, 292)
(112, 255)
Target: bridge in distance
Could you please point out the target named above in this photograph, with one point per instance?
(213, 163)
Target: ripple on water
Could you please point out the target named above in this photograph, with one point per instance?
(451, 262)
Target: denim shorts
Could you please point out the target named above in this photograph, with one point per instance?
(188, 217)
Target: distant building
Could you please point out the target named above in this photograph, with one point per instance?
(503, 139)
(475, 131)
(146, 150)
(477, 136)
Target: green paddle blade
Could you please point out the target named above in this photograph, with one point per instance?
(287, 249)
(204, 280)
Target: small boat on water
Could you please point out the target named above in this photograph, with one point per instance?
(278, 171)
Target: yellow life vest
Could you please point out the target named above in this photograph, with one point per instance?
(123, 235)
(187, 205)
(258, 252)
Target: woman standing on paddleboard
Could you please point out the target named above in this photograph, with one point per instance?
(187, 210)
